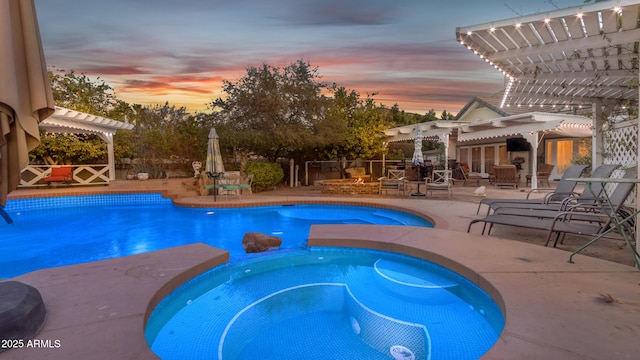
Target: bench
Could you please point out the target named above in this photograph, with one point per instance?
(61, 174)
(357, 173)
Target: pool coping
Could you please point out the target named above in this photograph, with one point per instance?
(553, 309)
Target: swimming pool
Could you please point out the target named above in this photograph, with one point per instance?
(66, 230)
(326, 303)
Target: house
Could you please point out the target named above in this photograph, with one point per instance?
(490, 135)
(483, 135)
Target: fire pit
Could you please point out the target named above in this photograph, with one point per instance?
(348, 186)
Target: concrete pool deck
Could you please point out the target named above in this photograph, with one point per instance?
(554, 310)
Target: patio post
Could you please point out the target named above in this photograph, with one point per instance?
(532, 138)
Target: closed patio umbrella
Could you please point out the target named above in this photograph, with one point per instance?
(418, 158)
(25, 91)
(214, 164)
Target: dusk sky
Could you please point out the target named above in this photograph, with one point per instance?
(155, 51)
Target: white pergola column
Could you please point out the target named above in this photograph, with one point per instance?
(596, 137)
(444, 138)
(111, 157)
(532, 138)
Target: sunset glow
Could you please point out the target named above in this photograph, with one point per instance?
(405, 51)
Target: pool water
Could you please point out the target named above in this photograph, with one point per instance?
(50, 232)
(326, 303)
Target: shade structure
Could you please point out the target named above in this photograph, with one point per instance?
(25, 91)
(418, 158)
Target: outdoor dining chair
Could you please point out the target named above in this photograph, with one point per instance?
(394, 181)
(441, 181)
(247, 184)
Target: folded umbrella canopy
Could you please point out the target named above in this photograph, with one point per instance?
(418, 158)
(25, 91)
(214, 165)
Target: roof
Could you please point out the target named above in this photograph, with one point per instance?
(431, 130)
(556, 124)
(569, 57)
(563, 125)
(65, 121)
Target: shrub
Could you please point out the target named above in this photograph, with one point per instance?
(266, 175)
(583, 160)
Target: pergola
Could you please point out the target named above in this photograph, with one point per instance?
(71, 121)
(584, 56)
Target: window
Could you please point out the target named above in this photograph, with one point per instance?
(489, 158)
(476, 159)
(560, 152)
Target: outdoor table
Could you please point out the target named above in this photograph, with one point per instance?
(617, 220)
(417, 193)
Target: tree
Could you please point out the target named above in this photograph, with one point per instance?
(166, 132)
(360, 125)
(400, 117)
(272, 110)
(430, 116)
(446, 115)
(78, 92)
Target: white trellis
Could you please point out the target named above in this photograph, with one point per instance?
(621, 144)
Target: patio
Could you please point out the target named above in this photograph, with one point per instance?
(581, 310)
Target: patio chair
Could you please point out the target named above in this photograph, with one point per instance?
(441, 180)
(542, 174)
(492, 175)
(591, 223)
(561, 191)
(230, 185)
(469, 176)
(207, 183)
(506, 175)
(247, 184)
(395, 181)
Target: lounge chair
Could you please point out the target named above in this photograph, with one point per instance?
(441, 180)
(565, 222)
(562, 190)
(395, 181)
(584, 198)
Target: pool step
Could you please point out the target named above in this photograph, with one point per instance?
(410, 282)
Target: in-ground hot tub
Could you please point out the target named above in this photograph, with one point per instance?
(348, 186)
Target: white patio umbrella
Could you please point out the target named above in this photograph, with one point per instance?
(25, 91)
(418, 158)
(214, 165)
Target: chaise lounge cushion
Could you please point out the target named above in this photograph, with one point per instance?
(60, 174)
